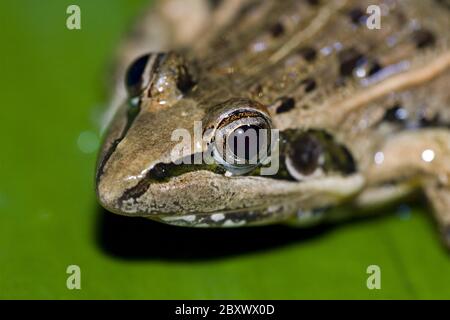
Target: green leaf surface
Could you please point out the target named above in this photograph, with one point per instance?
(52, 89)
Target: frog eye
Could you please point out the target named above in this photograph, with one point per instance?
(305, 157)
(137, 79)
(242, 139)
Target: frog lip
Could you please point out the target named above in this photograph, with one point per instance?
(212, 194)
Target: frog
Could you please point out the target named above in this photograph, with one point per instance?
(357, 116)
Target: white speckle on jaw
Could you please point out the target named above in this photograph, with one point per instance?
(272, 209)
(230, 223)
(189, 218)
(326, 51)
(202, 225)
(130, 206)
(217, 217)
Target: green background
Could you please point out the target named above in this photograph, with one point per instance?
(52, 84)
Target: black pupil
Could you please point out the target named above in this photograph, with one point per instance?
(305, 154)
(134, 79)
(246, 141)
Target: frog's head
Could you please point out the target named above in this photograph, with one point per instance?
(172, 155)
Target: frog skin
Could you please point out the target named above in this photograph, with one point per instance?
(363, 114)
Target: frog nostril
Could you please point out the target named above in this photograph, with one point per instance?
(185, 81)
(164, 77)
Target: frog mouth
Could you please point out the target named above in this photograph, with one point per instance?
(275, 201)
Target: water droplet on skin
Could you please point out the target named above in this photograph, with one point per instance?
(428, 155)
(88, 142)
(402, 114)
(361, 72)
(134, 102)
(379, 157)
(338, 46)
(326, 51)
(391, 41)
(259, 46)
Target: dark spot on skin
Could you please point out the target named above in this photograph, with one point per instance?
(445, 3)
(308, 53)
(215, 3)
(429, 122)
(277, 30)
(396, 114)
(285, 104)
(349, 60)
(305, 153)
(423, 38)
(357, 16)
(134, 76)
(162, 172)
(374, 67)
(310, 84)
(313, 2)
